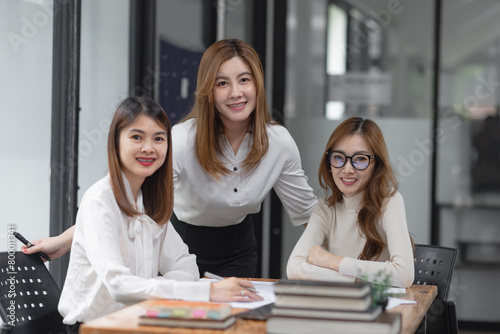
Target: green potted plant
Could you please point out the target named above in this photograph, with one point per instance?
(380, 284)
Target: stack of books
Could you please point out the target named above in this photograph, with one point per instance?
(328, 307)
(178, 313)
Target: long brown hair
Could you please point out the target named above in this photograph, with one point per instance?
(209, 127)
(157, 189)
(382, 184)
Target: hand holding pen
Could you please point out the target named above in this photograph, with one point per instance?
(233, 289)
(29, 245)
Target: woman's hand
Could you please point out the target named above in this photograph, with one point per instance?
(322, 258)
(233, 290)
(54, 247)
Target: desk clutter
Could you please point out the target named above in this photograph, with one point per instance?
(299, 307)
(328, 307)
(178, 313)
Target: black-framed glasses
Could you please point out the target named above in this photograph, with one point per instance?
(358, 161)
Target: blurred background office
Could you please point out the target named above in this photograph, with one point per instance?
(426, 71)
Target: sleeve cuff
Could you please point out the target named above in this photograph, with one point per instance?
(195, 291)
(348, 267)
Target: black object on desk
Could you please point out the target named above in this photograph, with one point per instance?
(259, 313)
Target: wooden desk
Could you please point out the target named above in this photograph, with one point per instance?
(125, 320)
(412, 314)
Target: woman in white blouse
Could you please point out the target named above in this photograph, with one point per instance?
(362, 220)
(123, 238)
(227, 155)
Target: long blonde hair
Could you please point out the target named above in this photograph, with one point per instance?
(209, 127)
(382, 185)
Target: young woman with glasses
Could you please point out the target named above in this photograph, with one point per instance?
(362, 220)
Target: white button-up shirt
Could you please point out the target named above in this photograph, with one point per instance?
(202, 200)
(115, 259)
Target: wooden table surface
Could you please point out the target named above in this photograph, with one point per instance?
(126, 320)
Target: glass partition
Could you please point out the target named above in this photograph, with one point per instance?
(468, 173)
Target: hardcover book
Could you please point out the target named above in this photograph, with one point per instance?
(369, 314)
(167, 308)
(323, 302)
(189, 323)
(179, 313)
(322, 288)
(385, 323)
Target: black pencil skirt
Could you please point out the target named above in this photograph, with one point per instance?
(225, 251)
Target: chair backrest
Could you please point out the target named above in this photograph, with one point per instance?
(434, 265)
(28, 295)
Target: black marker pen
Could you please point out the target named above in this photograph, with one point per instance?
(29, 244)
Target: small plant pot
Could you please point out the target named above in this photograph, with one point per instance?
(383, 303)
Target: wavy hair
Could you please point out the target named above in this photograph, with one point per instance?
(157, 189)
(382, 184)
(209, 127)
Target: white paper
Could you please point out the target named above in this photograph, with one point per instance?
(393, 302)
(264, 289)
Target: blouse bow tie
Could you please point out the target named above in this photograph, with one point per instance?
(144, 224)
(143, 230)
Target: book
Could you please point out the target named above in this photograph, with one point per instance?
(168, 308)
(188, 323)
(322, 288)
(323, 302)
(371, 313)
(385, 323)
(180, 313)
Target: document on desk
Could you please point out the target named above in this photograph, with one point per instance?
(393, 301)
(265, 290)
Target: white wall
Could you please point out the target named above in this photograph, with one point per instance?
(25, 85)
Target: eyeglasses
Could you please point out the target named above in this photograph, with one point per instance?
(358, 161)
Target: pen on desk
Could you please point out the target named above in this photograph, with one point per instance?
(219, 278)
(29, 244)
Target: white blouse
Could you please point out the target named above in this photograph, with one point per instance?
(337, 227)
(116, 260)
(202, 200)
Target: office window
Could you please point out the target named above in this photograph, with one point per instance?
(104, 82)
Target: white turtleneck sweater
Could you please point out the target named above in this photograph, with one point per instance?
(337, 227)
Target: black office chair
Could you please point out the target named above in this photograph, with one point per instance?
(434, 265)
(28, 296)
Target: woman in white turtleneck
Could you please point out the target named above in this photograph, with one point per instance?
(362, 220)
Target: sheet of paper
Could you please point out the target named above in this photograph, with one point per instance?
(393, 302)
(265, 290)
